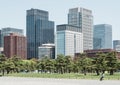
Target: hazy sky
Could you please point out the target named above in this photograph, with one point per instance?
(13, 12)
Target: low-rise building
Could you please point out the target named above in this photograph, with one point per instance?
(46, 50)
(92, 53)
(116, 45)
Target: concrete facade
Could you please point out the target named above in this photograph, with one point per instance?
(69, 40)
(83, 18)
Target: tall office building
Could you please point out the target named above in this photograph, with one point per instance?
(16, 46)
(7, 31)
(39, 31)
(69, 40)
(83, 18)
(102, 36)
(116, 45)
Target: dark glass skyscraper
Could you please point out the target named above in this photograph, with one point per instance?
(39, 31)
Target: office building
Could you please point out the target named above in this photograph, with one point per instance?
(83, 18)
(69, 40)
(116, 45)
(16, 46)
(1, 50)
(92, 53)
(102, 36)
(6, 31)
(46, 50)
(39, 31)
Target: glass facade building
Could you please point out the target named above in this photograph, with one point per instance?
(102, 36)
(69, 40)
(7, 31)
(116, 45)
(83, 18)
(39, 31)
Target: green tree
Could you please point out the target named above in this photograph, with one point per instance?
(118, 65)
(60, 64)
(17, 63)
(9, 66)
(2, 63)
(45, 65)
(41, 65)
(49, 65)
(111, 62)
(102, 62)
(99, 63)
(29, 65)
(96, 65)
(68, 64)
(76, 67)
(85, 64)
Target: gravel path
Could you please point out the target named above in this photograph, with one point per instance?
(49, 81)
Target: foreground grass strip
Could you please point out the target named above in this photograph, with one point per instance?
(116, 76)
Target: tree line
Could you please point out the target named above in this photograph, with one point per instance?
(62, 64)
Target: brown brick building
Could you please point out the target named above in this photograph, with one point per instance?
(15, 45)
(92, 53)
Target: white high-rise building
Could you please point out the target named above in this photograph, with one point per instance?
(83, 18)
(69, 40)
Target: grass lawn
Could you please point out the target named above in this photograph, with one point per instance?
(116, 76)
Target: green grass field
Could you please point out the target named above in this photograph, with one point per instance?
(116, 76)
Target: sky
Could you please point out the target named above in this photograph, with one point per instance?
(13, 12)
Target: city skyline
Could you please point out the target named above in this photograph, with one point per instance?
(103, 11)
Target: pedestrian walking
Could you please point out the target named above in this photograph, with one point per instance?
(102, 76)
